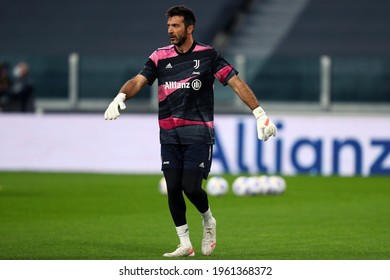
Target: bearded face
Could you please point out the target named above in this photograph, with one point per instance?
(177, 31)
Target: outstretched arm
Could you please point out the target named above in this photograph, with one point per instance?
(130, 89)
(244, 92)
(133, 86)
(265, 127)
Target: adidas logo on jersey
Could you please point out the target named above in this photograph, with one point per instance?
(169, 66)
(201, 165)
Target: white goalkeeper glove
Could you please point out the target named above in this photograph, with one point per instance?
(265, 127)
(112, 111)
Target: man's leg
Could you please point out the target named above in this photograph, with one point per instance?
(192, 186)
(177, 207)
(176, 203)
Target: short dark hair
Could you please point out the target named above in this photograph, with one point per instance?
(185, 12)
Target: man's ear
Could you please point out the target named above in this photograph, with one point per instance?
(190, 29)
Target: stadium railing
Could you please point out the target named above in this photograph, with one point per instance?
(89, 82)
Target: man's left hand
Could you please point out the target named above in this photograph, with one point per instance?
(265, 127)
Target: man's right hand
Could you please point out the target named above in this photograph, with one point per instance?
(112, 111)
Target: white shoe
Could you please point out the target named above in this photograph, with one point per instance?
(181, 252)
(209, 239)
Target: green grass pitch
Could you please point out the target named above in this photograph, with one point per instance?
(99, 217)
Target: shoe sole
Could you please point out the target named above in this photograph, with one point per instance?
(191, 254)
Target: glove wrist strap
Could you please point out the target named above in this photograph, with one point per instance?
(258, 112)
(121, 96)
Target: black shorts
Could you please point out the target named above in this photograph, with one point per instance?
(194, 156)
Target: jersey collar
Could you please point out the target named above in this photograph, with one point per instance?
(189, 50)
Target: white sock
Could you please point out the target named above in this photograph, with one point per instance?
(208, 219)
(184, 236)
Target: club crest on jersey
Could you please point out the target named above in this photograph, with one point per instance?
(197, 63)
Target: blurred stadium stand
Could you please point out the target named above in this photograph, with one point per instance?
(282, 41)
(313, 28)
(101, 27)
(291, 36)
(264, 25)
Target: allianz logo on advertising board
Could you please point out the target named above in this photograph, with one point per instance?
(195, 85)
(301, 154)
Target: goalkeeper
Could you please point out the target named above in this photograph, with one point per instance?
(185, 72)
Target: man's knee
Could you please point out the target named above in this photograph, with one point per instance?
(192, 182)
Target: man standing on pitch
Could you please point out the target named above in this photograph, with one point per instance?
(185, 71)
